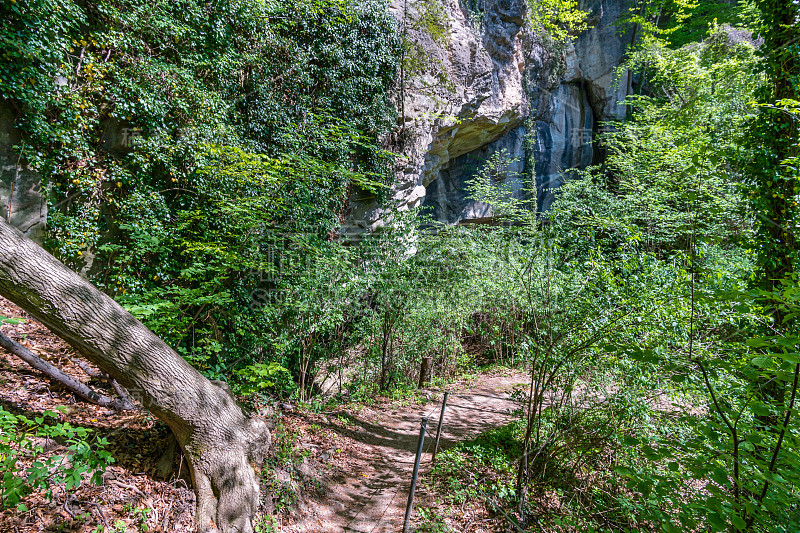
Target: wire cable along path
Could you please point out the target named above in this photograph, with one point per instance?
(376, 500)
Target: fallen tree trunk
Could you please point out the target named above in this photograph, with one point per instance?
(219, 441)
(74, 386)
(99, 373)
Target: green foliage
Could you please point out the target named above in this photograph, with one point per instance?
(658, 19)
(480, 468)
(185, 144)
(634, 290)
(267, 524)
(260, 376)
(286, 478)
(561, 19)
(724, 446)
(422, 22)
(139, 514)
(721, 456)
(430, 521)
(118, 526)
(20, 441)
(774, 134)
(708, 13)
(663, 385)
(684, 139)
(573, 281)
(491, 185)
(432, 19)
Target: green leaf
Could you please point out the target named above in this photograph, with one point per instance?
(738, 522)
(720, 476)
(716, 520)
(623, 471)
(760, 409)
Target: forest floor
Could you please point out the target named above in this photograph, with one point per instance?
(369, 495)
(346, 469)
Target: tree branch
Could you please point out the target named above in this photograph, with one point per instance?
(53, 373)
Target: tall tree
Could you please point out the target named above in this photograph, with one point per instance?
(774, 178)
(777, 132)
(219, 441)
(775, 191)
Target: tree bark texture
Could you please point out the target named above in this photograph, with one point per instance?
(220, 443)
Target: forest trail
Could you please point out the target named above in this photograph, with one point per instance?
(370, 497)
(361, 456)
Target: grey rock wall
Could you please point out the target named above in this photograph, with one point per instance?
(22, 202)
(484, 98)
(447, 197)
(510, 90)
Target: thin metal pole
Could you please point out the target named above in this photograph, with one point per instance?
(410, 504)
(439, 429)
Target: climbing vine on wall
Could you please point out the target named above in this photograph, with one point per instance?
(172, 135)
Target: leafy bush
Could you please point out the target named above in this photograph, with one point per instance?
(21, 441)
(480, 468)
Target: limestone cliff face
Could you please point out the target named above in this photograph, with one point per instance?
(497, 85)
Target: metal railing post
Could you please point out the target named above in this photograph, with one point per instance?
(439, 429)
(423, 423)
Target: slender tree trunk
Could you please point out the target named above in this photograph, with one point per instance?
(219, 441)
(386, 331)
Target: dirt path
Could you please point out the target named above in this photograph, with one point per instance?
(366, 482)
(371, 497)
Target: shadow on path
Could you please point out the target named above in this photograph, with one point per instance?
(373, 498)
